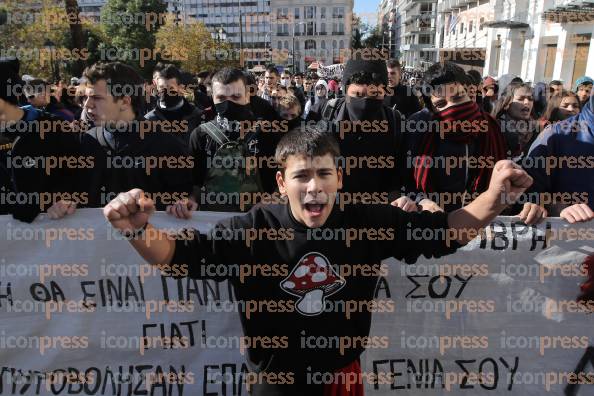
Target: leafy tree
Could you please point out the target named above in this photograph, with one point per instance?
(193, 47)
(131, 26)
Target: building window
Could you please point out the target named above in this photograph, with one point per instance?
(296, 13)
(334, 44)
(323, 28)
(323, 13)
(323, 45)
(310, 44)
(424, 39)
(310, 28)
(297, 45)
(341, 45)
(310, 12)
(481, 23)
(282, 13)
(280, 45)
(286, 45)
(338, 12)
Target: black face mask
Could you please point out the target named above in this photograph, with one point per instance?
(169, 100)
(233, 111)
(363, 108)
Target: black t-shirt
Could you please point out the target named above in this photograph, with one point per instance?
(308, 269)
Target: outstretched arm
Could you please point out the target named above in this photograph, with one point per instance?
(508, 182)
(129, 214)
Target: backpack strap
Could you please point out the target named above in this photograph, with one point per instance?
(330, 109)
(215, 133)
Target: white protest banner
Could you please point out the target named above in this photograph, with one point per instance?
(80, 313)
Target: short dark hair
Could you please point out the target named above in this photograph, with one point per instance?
(311, 142)
(363, 78)
(228, 75)
(393, 64)
(121, 76)
(169, 71)
(299, 74)
(272, 69)
(441, 73)
(556, 82)
(474, 77)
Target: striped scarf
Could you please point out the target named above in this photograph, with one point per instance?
(464, 124)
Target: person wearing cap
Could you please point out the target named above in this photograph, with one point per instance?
(452, 127)
(398, 95)
(315, 104)
(366, 128)
(490, 91)
(28, 137)
(583, 89)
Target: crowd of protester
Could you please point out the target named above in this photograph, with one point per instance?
(194, 142)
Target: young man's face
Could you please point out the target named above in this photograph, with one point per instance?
(298, 80)
(289, 113)
(307, 85)
(271, 79)
(101, 106)
(285, 80)
(170, 86)
(583, 92)
(448, 95)
(393, 76)
(235, 92)
(311, 185)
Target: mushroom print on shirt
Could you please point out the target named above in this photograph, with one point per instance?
(312, 280)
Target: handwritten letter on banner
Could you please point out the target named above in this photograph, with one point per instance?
(80, 314)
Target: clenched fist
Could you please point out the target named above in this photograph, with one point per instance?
(508, 182)
(129, 211)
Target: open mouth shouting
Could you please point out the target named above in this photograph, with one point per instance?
(315, 207)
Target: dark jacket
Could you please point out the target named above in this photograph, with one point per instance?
(404, 100)
(571, 144)
(381, 146)
(27, 158)
(187, 113)
(127, 161)
(450, 187)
